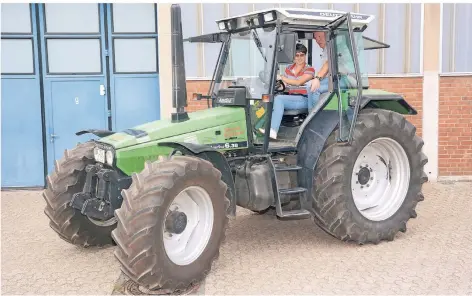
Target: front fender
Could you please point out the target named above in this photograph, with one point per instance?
(96, 132)
(216, 158)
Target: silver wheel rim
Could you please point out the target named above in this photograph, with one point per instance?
(186, 247)
(380, 179)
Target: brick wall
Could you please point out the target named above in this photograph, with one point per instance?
(410, 87)
(455, 126)
(196, 86)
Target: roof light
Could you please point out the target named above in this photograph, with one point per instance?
(268, 17)
(232, 24)
(221, 25)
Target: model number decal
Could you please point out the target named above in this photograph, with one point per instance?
(228, 145)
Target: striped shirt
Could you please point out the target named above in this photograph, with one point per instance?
(290, 73)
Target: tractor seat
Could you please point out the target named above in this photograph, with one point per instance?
(294, 112)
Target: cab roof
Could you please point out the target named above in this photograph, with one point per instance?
(293, 16)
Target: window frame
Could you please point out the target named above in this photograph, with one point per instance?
(442, 72)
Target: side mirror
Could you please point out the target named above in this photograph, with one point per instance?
(198, 97)
(286, 49)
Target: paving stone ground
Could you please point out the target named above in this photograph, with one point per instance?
(261, 255)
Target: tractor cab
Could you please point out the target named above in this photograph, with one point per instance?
(257, 46)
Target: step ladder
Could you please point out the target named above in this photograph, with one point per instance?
(290, 194)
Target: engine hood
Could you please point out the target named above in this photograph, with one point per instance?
(161, 129)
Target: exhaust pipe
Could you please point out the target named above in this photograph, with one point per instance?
(179, 83)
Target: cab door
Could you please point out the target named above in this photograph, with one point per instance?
(347, 83)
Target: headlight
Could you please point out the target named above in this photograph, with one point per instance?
(99, 154)
(109, 157)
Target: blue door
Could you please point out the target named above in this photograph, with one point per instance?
(68, 67)
(22, 142)
(74, 71)
(81, 107)
(134, 79)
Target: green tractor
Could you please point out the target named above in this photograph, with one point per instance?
(163, 191)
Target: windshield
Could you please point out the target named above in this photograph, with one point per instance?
(249, 62)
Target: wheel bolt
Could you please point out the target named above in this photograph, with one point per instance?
(362, 187)
(372, 178)
(357, 182)
(366, 165)
(370, 170)
(367, 185)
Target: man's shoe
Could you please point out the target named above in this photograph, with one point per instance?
(272, 134)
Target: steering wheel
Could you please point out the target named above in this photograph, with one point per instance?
(279, 83)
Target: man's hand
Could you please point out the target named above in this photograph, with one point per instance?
(279, 77)
(315, 84)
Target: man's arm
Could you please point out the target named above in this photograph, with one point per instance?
(323, 71)
(315, 83)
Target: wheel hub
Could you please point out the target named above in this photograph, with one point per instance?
(176, 222)
(188, 225)
(363, 176)
(380, 182)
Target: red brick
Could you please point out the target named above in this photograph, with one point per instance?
(455, 126)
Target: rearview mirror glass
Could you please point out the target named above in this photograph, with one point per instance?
(286, 49)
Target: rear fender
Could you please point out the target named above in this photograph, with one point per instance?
(395, 103)
(310, 145)
(216, 158)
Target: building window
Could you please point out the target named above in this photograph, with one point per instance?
(135, 55)
(72, 18)
(17, 51)
(397, 24)
(134, 38)
(69, 56)
(134, 18)
(456, 38)
(17, 56)
(16, 18)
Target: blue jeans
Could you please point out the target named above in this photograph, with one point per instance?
(290, 102)
(313, 97)
(286, 102)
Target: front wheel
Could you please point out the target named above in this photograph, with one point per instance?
(367, 191)
(67, 179)
(171, 224)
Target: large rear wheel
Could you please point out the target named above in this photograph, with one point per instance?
(366, 192)
(172, 223)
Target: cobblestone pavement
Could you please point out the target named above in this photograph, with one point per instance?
(261, 255)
